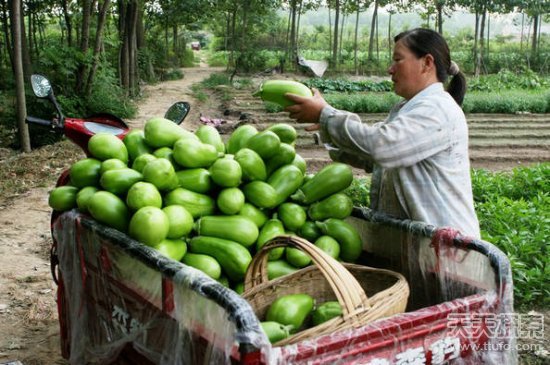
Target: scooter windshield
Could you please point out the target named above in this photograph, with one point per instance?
(103, 128)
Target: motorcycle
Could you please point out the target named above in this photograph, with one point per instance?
(80, 130)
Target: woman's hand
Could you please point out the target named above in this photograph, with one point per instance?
(306, 110)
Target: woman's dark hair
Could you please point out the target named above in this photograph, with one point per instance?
(426, 41)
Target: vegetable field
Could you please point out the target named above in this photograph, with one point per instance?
(497, 141)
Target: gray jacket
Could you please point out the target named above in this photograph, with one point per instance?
(418, 155)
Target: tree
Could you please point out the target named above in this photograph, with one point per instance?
(102, 16)
(128, 63)
(335, 37)
(358, 6)
(68, 21)
(535, 9)
(16, 22)
(374, 22)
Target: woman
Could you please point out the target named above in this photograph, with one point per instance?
(420, 152)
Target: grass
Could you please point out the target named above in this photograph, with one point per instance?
(221, 83)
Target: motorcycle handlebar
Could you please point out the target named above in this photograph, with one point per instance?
(39, 121)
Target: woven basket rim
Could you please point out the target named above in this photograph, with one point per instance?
(382, 304)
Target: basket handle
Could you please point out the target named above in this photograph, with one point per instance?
(348, 291)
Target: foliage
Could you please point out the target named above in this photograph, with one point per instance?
(359, 191)
(524, 79)
(514, 214)
(343, 85)
(507, 101)
(217, 59)
(521, 183)
(214, 81)
(172, 74)
(255, 60)
(108, 97)
(363, 103)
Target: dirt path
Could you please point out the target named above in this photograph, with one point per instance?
(159, 97)
(29, 330)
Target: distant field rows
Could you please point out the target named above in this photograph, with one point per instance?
(496, 140)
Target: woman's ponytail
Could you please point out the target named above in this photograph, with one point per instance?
(457, 87)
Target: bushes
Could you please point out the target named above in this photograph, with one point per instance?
(363, 103)
(507, 102)
(343, 85)
(514, 214)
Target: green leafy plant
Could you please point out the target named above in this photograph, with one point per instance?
(343, 85)
(359, 191)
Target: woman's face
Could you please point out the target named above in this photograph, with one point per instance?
(407, 71)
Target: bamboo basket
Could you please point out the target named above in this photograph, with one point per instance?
(365, 294)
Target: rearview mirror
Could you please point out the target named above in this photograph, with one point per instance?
(178, 111)
(41, 86)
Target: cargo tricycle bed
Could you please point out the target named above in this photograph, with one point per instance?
(122, 302)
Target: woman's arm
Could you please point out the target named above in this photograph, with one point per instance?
(402, 141)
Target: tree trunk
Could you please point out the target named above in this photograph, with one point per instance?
(175, 39)
(30, 25)
(377, 41)
(372, 30)
(233, 38)
(297, 42)
(140, 28)
(227, 31)
(480, 55)
(521, 34)
(7, 37)
(36, 35)
(293, 33)
(68, 22)
(166, 38)
(27, 65)
(356, 69)
(84, 43)
(132, 48)
(389, 37)
(329, 31)
(488, 38)
(124, 59)
(98, 42)
(16, 18)
(535, 36)
(342, 26)
(476, 36)
(540, 28)
(439, 6)
(335, 40)
(287, 39)
(244, 28)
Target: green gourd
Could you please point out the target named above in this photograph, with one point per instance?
(337, 205)
(233, 257)
(332, 179)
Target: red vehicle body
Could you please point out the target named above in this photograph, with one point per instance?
(132, 304)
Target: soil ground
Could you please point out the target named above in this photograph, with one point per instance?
(29, 329)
